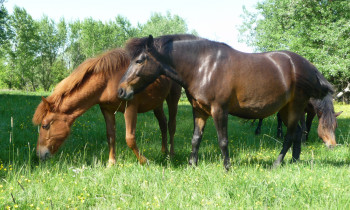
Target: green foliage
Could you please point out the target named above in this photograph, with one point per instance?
(77, 176)
(52, 39)
(159, 25)
(36, 54)
(318, 30)
(21, 49)
(3, 18)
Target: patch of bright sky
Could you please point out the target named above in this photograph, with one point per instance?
(213, 19)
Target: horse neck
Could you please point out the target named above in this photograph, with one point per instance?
(84, 97)
(177, 68)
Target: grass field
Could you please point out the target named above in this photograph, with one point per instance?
(77, 176)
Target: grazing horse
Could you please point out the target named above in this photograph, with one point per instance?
(96, 81)
(326, 116)
(220, 80)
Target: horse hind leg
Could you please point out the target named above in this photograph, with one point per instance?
(309, 118)
(279, 126)
(172, 101)
(303, 128)
(258, 128)
(220, 117)
(162, 121)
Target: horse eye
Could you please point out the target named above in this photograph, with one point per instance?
(46, 127)
(140, 61)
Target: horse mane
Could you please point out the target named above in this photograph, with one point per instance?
(105, 65)
(135, 46)
(326, 109)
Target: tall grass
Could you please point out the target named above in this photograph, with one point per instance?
(77, 176)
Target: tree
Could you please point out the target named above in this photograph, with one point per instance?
(3, 21)
(89, 37)
(159, 25)
(316, 29)
(52, 38)
(21, 49)
(37, 54)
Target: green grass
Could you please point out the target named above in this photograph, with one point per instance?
(77, 176)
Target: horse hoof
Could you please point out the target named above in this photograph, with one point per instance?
(192, 163)
(227, 167)
(275, 165)
(293, 160)
(111, 163)
(165, 151)
(143, 161)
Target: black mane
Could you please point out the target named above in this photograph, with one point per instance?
(325, 108)
(135, 46)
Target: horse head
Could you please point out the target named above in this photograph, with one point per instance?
(143, 69)
(55, 128)
(326, 128)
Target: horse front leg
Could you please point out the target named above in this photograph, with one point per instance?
(130, 116)
(110, 128)
(293, 136)
(297, 144)
(162, 121)
(220, 117)
(199, 121)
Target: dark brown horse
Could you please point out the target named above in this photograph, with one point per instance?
(325, 112)
(220, 81)
(96, 81)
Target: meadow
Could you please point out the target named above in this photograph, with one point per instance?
(77, 177)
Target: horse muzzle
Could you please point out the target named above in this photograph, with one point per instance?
(43, 153)
(124, 94)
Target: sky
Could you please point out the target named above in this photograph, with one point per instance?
(212, 19)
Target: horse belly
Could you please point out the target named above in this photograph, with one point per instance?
(259, 104)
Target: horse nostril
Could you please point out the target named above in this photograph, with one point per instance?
(121, 92)
(47, 155)
(330, 146)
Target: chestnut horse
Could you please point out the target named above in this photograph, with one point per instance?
(327, 119)
(220, 81)
(95, 81)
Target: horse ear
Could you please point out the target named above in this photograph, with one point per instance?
(150, 42)
(47, 104)
(338, 113)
